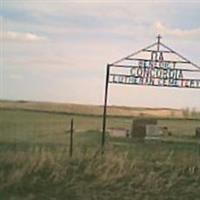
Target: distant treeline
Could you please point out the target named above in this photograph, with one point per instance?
(191, 113)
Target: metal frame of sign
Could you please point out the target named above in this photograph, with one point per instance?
(153, 71)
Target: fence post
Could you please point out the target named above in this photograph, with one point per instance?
(71, 138)
(198, 148)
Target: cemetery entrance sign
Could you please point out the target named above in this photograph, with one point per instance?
(156, 65)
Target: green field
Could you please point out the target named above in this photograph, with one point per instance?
(34, 160)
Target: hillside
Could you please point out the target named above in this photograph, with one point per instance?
(90, 109)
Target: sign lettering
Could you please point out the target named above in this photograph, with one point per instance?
(155, 72)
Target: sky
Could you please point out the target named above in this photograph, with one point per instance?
(58, 50)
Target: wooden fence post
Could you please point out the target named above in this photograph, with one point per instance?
(71, 138)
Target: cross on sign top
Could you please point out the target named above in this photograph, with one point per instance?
(159, 38)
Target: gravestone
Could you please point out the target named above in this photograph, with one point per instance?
(152, 130)
(142, 126)
(118, 132)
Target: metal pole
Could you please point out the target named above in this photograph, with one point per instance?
(71, 138)
(105, 110)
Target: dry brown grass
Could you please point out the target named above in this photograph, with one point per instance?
(42, 174)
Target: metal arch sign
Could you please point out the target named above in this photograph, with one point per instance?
(155, 69)
(156, 65)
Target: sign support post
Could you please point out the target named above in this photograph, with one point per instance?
(105, 110)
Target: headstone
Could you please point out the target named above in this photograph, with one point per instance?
(118, 132)
(140, 127)
(153, 130)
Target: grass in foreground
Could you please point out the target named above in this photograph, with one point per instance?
(34, 162)
(45, 174)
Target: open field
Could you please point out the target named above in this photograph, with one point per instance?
(91, 109)
(34, 160)
(38, 127)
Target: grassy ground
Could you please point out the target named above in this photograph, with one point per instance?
(34, 160)
(48, 173)
(39, 127)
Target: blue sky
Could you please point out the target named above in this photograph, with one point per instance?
(58, 50)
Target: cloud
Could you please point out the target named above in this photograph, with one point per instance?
(81, 37)
(22, 37)
(15, 76)
(192, 34)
